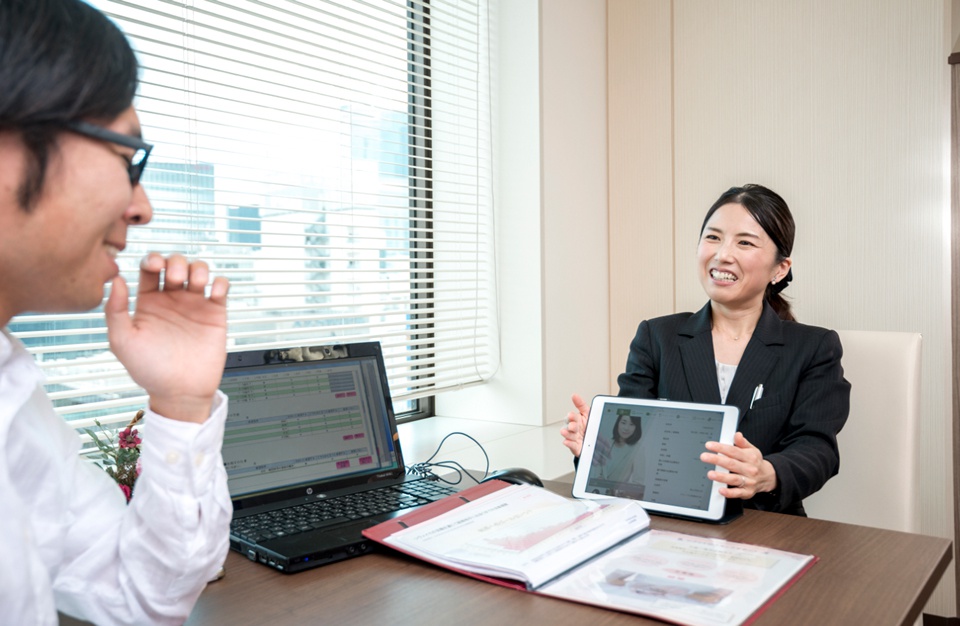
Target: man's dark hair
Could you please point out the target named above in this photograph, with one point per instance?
(60, 61)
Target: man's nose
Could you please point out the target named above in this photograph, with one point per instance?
(140, 210)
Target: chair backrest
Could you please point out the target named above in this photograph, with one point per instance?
(879, 446)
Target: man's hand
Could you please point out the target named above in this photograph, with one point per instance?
(174, 344)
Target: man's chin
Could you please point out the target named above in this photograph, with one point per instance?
(80, 303)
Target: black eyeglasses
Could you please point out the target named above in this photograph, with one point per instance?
(141, 148)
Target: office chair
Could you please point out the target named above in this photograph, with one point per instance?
(880, 443)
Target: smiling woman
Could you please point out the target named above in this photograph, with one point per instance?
(747, 234)
(745, 348)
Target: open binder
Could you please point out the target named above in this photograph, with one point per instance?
(594, 552)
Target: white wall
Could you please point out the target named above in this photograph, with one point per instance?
(513, 394)
(551, 210)
(643, 280)
(842, 107)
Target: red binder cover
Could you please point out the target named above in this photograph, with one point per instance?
(381, 531)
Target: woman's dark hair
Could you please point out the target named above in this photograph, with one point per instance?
(60, 61)
(637, 431)
(773, 215)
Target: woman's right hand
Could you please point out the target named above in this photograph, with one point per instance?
(576, 425)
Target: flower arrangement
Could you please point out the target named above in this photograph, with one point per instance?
(120, 459)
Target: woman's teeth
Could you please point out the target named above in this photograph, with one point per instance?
(725, 276)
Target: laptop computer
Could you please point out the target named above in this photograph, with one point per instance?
(312, 454)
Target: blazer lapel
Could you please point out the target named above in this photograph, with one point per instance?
(759, 359)
(696, 353)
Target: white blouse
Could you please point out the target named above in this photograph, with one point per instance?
(725, 374)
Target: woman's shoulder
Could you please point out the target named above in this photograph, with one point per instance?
(810, 339)
(671, 319)
(689, 322)
(772, 329)
(667, 323)
(805, 331)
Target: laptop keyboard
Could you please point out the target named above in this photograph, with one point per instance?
(305, 517)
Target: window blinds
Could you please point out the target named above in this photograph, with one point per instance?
(332, 158)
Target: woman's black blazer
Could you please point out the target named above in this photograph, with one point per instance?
(805, 397)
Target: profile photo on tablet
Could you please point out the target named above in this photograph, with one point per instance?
(618, 467)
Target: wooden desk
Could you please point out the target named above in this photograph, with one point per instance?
(864, 576)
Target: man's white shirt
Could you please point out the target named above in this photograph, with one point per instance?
(69, 540)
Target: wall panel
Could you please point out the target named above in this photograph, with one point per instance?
(574, 209)
(642, 279)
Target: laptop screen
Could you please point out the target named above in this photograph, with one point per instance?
(306, 416)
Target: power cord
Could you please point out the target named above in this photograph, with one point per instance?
(426, 468)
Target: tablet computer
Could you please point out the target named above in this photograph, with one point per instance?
(649, 450)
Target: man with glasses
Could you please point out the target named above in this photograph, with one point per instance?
(71, 158)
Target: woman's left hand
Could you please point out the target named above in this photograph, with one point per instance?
(749, 473)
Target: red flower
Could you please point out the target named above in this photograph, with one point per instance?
(126, 491)
(128, 438)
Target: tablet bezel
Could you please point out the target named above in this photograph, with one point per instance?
(716, 503)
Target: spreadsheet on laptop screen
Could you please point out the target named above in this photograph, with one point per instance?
(304, 422)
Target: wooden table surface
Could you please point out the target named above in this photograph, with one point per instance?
(864, 576)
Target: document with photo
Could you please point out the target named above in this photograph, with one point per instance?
(686, 579)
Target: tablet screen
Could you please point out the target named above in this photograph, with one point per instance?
(649, 450)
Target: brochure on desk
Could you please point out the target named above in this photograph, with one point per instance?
(599, 552)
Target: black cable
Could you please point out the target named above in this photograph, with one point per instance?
(425, 468)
